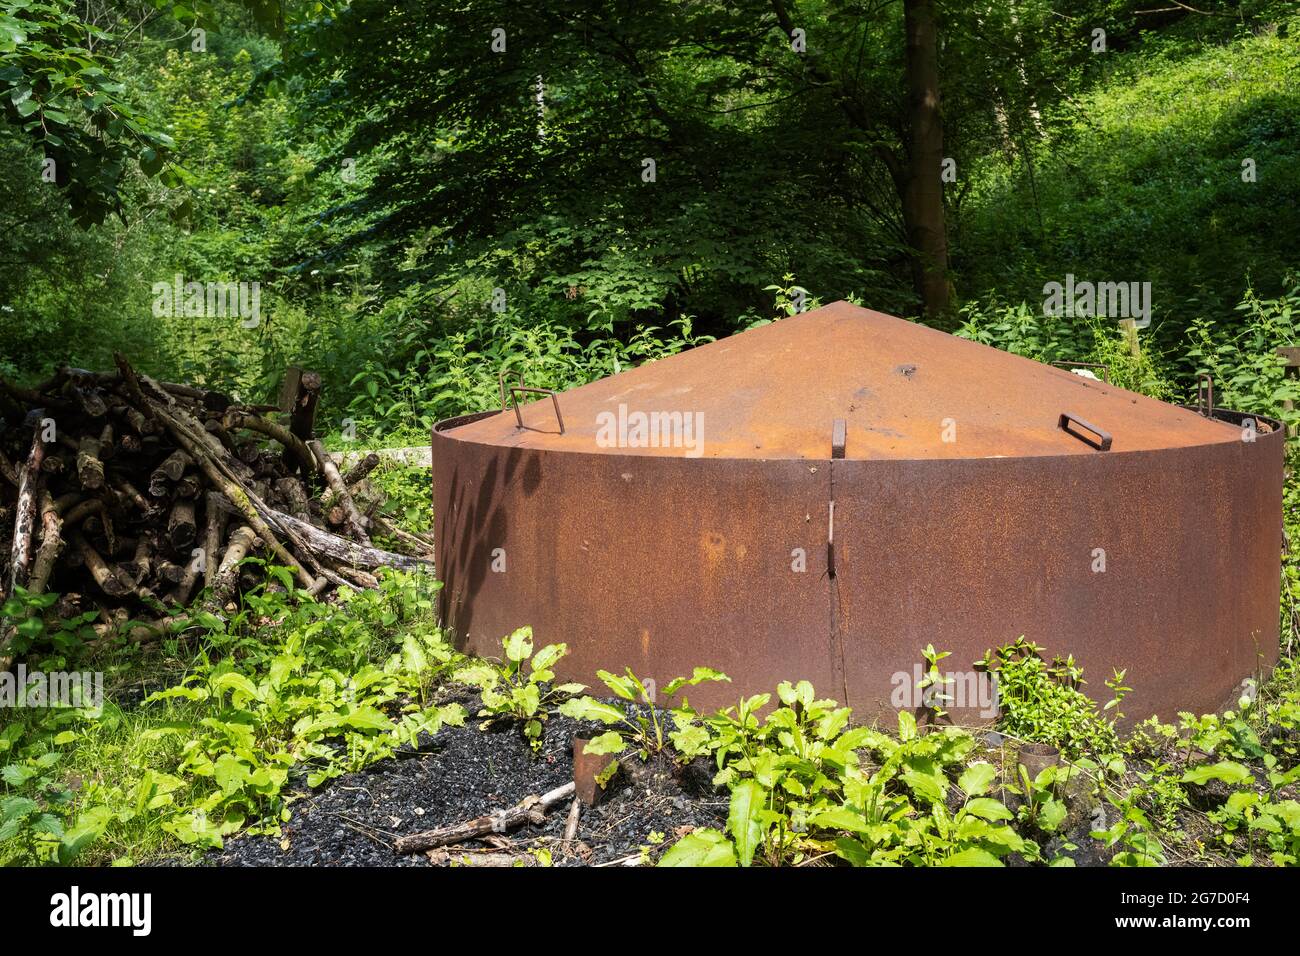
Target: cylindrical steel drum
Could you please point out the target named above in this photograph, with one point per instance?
(824, 496)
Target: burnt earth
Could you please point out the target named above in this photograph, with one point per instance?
(461, 773)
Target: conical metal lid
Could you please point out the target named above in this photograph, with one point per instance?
(902, 390)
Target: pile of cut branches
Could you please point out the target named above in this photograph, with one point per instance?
(131, 497)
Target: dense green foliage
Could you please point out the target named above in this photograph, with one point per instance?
(281, 686)
(422, 209)
(416, 218)
(1146, 183)
(288, 694)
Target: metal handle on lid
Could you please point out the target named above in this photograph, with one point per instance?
(1103, 437)
(501, 382)
(555, 401)
(1205, 394)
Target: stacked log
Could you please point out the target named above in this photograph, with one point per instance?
(134, 497)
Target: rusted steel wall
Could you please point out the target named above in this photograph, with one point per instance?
(655, 564)
(662, 564)
(968, 555)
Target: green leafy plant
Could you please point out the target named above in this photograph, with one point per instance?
(519, 688)
(800, 791)
(246, 721)
(1042, 809)
(1132, 834)
(40, 823)
(642, 729)
(1042, 701)
(1242, 357)
(26, 624)
(933, 684)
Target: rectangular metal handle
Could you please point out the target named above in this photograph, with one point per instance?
(1103, 438)
(555, 401)
(501, 382)
(1205, 394)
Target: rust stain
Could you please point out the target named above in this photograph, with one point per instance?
(714, 546)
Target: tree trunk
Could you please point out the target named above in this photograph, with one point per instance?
(923, 213)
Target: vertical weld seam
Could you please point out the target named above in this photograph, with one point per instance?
(836, 627)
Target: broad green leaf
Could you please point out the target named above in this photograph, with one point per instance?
(622, 686)
(546, 658)
(977, 778)
(230, 773)
(368, 718)
(838, 818)
(972, 857)
(414, 659)
(925, 779)
(700, 848)
(988, 809)
(477, 675)
(906, 726)
(700, 675)
(1052, 815)
(16, 774)
(519, 645)
(238, 683)
(744, 822)
(1228, 771)
(588, 708)
(610, 742)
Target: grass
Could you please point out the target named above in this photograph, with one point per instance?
(1158, 145)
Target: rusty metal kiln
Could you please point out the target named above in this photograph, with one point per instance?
(822, 497)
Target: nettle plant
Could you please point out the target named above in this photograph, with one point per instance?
(249, 711)
(40, 821)
(1248, 374)
(24, 619)
(800, 790)
(1041, 700)
(519, 688)
(642, 727)
(1262, 734)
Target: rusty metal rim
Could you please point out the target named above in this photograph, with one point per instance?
(1225, 416)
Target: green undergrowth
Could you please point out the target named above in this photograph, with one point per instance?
(1171, 170)
(230, 720)
(200, 740)
(807, 787)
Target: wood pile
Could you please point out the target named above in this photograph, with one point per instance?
(131, 497)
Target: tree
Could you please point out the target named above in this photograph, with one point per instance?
(923, 189)
(780, 136)
(60, 90)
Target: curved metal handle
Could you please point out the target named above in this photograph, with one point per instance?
(514, 398)
(1205, 394)
(501, 382)
(1103, 437)
(1105, 369)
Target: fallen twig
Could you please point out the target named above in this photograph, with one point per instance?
(532, 808)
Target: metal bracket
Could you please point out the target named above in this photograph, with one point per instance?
(837, 439)
(501, 382)
(1105, 369)
(1103, 438)
(1205, 394)
(514, 398)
